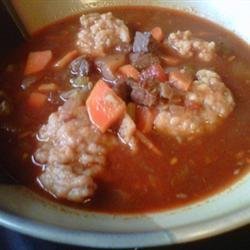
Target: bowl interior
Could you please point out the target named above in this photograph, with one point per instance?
(22, 210)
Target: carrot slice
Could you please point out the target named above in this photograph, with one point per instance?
(144, 119)
(37, 61)
(61, 63)
(157, 34)
(180, 80)
(130, 71)
(104, 107)
(37, 100)
(171, 60)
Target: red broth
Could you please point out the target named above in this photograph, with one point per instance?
(142, 182)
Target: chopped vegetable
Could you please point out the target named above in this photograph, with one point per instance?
(37, 100)
(28, 81)
(130, 71)
(144, 119)
(81, 82)
(79, 67)
(171, 60)
(47, 87)
(73, 93)
(166, 91)
(131, 108)
(147, 142)
(108, 65)
(104, 107)
(65, 60)
(37, 61)
(126, 131)
(157, 34)
(154, 71)
(180, 80)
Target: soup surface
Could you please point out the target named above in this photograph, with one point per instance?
(134, 110)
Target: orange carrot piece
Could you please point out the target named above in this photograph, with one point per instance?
(37, 61)
(130, 71)
(147, 142)
(37, 100)
(144, 119)
(66, 59)
(171, 60)
(104, 107)
(157, 34)
(180, 80)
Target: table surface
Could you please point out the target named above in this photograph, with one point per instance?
(237, 239)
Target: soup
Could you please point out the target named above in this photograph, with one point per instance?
(127, 110)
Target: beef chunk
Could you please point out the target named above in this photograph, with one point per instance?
(141, 42)
(144, 43)
(108, 65)
(144, 93)
(122, 89)
(143, 97)
(79, 67)
(142, 61)
(154, 71)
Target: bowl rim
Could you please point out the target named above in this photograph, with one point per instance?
(171, 235)
(175, 235)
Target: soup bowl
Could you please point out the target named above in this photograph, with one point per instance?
(27, 212)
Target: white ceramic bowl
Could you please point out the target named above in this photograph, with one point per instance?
(26, 212)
